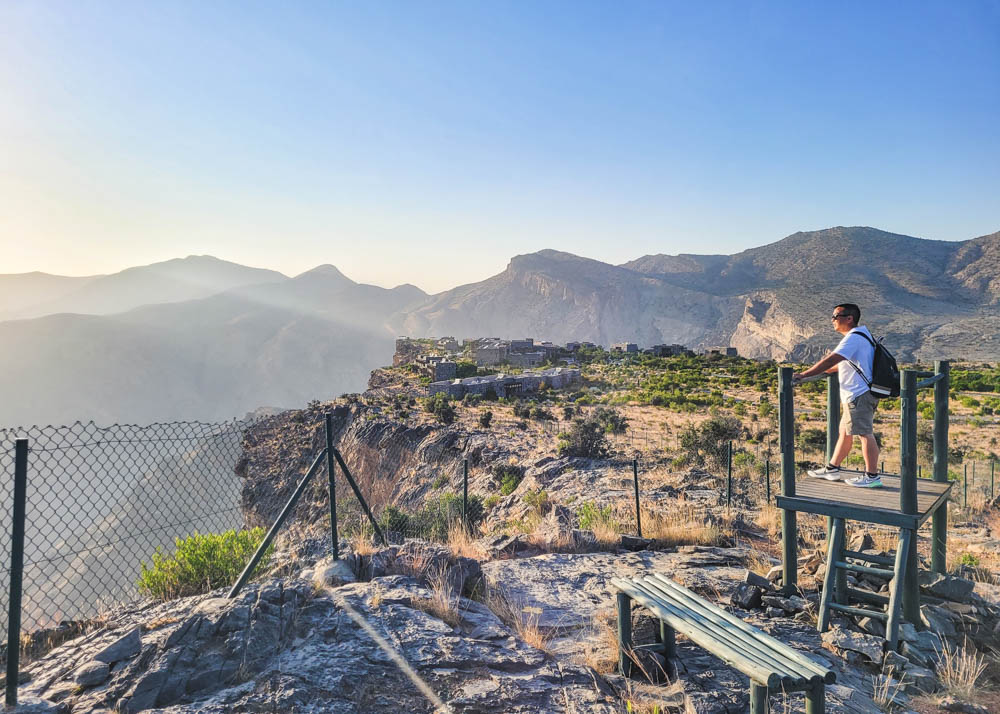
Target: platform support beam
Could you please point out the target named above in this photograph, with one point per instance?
(786, 433)
(908, 489)
(939, 522)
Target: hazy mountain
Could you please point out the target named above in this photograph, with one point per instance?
(267, 340)
(175, 280)
(19, 291)
(314, 336)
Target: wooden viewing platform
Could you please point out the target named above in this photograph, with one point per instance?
(839, 499)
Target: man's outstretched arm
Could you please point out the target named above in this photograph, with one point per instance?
(827, 364)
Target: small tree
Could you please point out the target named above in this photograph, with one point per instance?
(485, 419)
(587, 438)
(440, 406)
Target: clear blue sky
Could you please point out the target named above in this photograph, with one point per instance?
(428, 142)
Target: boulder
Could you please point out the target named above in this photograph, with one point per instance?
(861, 542)
(751, 578)
(634, 543)
(92, 674)
(947, 587)
(746, 596)
(126, 646)
(868, 646)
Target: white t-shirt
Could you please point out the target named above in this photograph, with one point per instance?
(856, 349)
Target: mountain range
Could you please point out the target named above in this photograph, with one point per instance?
(202, 338)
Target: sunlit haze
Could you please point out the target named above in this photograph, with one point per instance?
(429, 142)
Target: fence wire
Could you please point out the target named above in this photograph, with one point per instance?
(101, 500)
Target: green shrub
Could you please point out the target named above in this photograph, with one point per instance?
(969, 559)
(510, 476)
(440, 406)
(710, 440)
(812, 439)
(612, 420)
(200, 563)
(485, 419)
(440, 482)
(589, 516)
(586, 438)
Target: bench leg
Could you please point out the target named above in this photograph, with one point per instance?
(816, 700)
(669, 642)
(758, 698)
(624, 634)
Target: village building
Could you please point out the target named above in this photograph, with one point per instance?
(506, 386)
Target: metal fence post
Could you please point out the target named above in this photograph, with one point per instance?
(259, 553)
(465, 492)
(993, 492)
(729, 475)
(767, 479)
(331, 473)
(965, 485)
(16, 570)
(635, 483)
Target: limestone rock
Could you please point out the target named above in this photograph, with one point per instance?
(947, 587)
(866, 645)
(124, 647)
(747, 596)
(92, 674)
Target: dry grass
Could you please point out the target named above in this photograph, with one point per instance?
(885, 689)
(603, 656)
(443, 603)
(461, 543)
(679, 525)
(159, 622)
(513, 613)
(607, 533)
(759, 562)
(362, 544)
(768, 519)
(959, 671)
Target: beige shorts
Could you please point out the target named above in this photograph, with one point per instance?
(857, 415)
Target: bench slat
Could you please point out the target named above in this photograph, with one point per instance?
(758, 643)
(791, 677)
(672, 616)
(828, 675)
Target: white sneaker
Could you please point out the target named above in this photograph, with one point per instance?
(866, 481)
(830, 473)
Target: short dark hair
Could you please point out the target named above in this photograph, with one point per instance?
(849, 308)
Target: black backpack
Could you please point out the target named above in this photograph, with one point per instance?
(885, 371)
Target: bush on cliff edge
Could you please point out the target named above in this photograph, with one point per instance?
(200, 563)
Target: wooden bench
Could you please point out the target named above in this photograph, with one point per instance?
(772, 666)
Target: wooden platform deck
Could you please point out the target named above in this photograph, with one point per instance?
(873, 505)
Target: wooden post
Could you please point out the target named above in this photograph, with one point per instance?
(758, 698)
(786, 433)
(833, 554)
(908, 489)
(939, 522)
(832, 427)
(625, 634)
(816, 699)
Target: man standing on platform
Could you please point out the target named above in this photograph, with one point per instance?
(852, 359)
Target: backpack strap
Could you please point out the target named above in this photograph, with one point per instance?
(858, 369)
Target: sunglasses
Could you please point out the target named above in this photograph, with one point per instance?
(837, 317)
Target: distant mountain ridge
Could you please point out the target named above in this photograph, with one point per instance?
(221, 339)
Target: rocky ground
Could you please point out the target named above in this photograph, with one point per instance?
(519, 616)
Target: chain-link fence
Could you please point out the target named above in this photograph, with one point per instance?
(101, 500)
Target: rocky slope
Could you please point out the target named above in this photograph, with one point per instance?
(520, 620)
